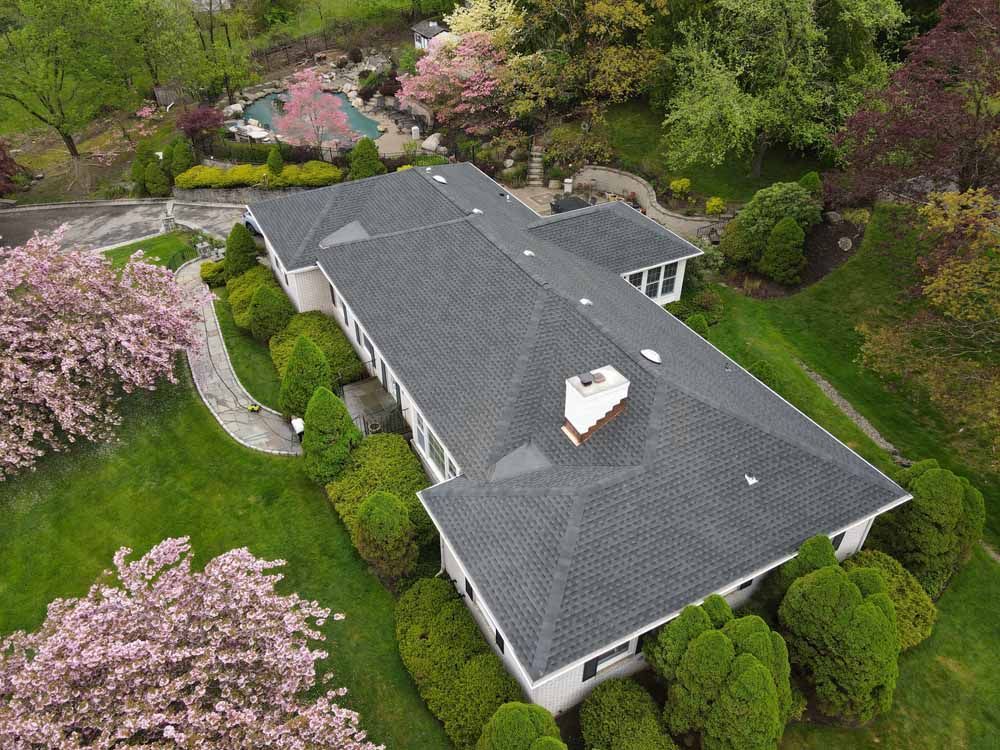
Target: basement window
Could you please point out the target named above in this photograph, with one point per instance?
(499, 641)
(745, 585)
(838, 540)
(591, 667)
(469, 590)
(333, 295)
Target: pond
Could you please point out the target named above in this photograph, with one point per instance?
(265, 109)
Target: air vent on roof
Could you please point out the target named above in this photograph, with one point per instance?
(530, 253)
(477, 210)
(751, 480)
(439, 178)
(652, 355)
(586, 302)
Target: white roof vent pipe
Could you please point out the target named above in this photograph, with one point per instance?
(750, 479)
(593, 399)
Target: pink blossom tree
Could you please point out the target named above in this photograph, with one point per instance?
(460, 81)
(311, 115)
(74, 335)
(168, 657)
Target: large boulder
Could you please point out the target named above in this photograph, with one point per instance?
(431, 142)
(233, 112)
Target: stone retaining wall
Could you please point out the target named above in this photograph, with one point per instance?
(240, 196)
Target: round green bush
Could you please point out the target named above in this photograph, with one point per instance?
(364, 161)
(764, 372)
(615, 710)
(915, 612)
(385, 535)
(718, 610)
(156, 182)
(329, 437)
(518, 726)
(811, 181)
(783, 259)
(845, 643)
(345, 366)
(241, 251)
(710, 303)
(701, 674)
(548, 743)
(745, 714)
(664, 651)
(275, 162)
(270, 311)
(815, 553)
(421, 602)
(307, 370)
(699, 324)
(746, 236)
(183, 157)
(213, 273)
(241, 290)
(752, 635)
(483, 685)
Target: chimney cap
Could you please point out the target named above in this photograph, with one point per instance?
(586, 378)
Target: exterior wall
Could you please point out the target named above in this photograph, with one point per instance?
(569, 688)
(312, 291)
(673, 296)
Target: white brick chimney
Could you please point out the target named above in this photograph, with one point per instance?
(592, 400)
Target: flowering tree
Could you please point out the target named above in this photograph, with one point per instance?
(311, 115)
(168, 657)
(460, 81)
(75, 334)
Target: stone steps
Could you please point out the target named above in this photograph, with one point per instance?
(536, 168)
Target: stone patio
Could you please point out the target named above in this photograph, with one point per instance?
(366, 397)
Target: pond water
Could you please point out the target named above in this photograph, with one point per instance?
(265, 109)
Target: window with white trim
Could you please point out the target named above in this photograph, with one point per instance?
(435, 452)
(421, 433)
(654, 282)
(333, 295)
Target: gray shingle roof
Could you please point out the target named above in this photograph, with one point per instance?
(427, 30)
(574, 548)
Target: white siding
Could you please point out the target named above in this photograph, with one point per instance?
(662, 299)
(312, 291)
(569, 688)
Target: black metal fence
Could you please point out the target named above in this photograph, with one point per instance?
(387, 420)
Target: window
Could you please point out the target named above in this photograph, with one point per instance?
(385, 375)
(838, 540)
(745, 585)
(499, 640)
(357, 331)
(435, 451)
(333, 296)
(369, 347)
(591, 667)
(669, 277)
(648, 635)
(635, 279)
(286, 278)
(469, 591)
(347, 318)
(421, 433)
(452, 471)
(653, 281)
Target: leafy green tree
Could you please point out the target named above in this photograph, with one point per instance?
(241, 251)
(330, 436)
(385, 535)
(932, 533)
(746, 236)
(844, 640)
(155, 180)
(183, 157)
(275, 162)
(783, 259)
(364, 161)
(307, 370)
(520, 726)
(270, 311)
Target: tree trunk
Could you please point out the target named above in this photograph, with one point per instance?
(760, 148)
(70, 144)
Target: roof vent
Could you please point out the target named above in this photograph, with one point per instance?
(530, 253)
(427, 169)
(652, 355)
(751, 480)
(586, 302)
(477, 210)
(439, 178)
(593, 399)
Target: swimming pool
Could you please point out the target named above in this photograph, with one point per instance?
(264, 110)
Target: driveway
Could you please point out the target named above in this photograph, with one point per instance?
(104, 224)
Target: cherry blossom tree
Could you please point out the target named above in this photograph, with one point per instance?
(76, 334)
(460, 81)
(311, 115)
(161, 656)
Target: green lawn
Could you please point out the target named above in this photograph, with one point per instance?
(170, 250)
(635, 131)
(948, 694)
(177, 473)
(251, 359)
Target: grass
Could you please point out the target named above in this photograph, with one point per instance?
(251, 359)
(170, 250)
(176, 473)
(817, 327)
(948, 694)
(635, 131)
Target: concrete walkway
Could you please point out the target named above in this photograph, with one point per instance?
(222, 391)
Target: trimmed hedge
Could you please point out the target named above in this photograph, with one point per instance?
(329, 437)
(520, 726)
(270, 311)
(915, 612)
(307, 370)
(345, 366)
(460, 679)
(310, 174)
(242, 288)
(815, 553)
(664, 651)
(620, 713)
(385, 534)
(382, 463)
(213, 272)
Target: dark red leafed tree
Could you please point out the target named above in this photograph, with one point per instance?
(200, 123)
(938, 118)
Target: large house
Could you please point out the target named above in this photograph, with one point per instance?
(598, 465)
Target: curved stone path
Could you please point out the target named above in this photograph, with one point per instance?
(222, 391)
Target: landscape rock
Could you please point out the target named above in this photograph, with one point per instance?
(832, 217)
(508, 163)
(232, 111)
(443, 150)
(845, 244)
(431, 142)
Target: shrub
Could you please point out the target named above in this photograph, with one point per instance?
(680, 188)
(783, 259)
(764, 372)
(568, 144)
(329, 437)
(718, 610)
(355, 55)
(241, 251)
(857, 216)
(200, 123)
(364, 160)
(844, 641)
(429, 160)
(745, 713)
(345, 366)
(307, 370)
(699, 324)
(682, 308)
(155, 181)
(617, 710)
(385, 534)
(932, 533)
(519, 726)
(715, 206)
(213, 273)
(270, 311)
(382, 462)
(241, 290)
(746, 236)
(710, 303)
(814, 553)
(310, 174)
(915, 612)
(812, 182)
(183, 157)
(143, 157)
(275, 162)
(460, 679)
(663, 652)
